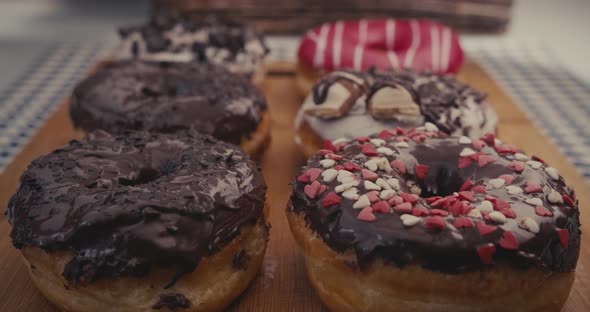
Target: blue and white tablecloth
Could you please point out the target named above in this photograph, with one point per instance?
(557, 101)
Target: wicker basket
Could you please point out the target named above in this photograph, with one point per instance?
(296, 16)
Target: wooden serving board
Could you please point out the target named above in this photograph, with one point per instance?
(282, 284)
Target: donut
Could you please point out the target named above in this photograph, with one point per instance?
(388, 222)
(348, 104)
(171, 37)
(167, 97)
(383, 43)
(141, 222)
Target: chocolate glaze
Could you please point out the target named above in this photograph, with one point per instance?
(172, 301)
(166, 97)
(441, 99)
(441, 250)
(124, 204)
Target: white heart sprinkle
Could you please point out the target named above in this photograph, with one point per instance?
(498, 217)
(383, 164)
(387, 194)
(474, 213)
(327, 163)
(485, 206)
(554, 197)
(513, 189)
(372, 164)
(534, 201)
(467, 152)
(521, 157)
(401, 144)
(430, 127)
(394, 183)
(340, 141)
(497, 142)
(383, 184)
(529, 225)
(385, 151)
(343, 187)
(342, 174)
(464, 140)
(362, 202)
(534, 164)
(496, 183)
(415, 190)
(409, 220)
(552, 172)
(378, 142)
(370, 186)
(329, 175)
(457, 236)
(351, 193)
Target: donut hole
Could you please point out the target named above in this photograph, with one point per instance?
(143, 176)
(443, 183)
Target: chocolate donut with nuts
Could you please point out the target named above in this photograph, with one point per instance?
(349, 104)
(141, 221)
(425, 222)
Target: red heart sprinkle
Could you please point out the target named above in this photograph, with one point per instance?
(399, 165)
(400, 131)
(508, 178)
(486, 253)
(486, 216)
(466, 185)
(464, 162)
(508, 213)
(490, 198)
(479, 189)
(516, 165)
(329, 146)
(363, 139)
(381, 206)
(505, 149)
(331, 199)
(351, 166)
(314, 189)
(484, 159)
(335, 157)
(395, 200)
(309, 175)
(403, 208)
(478, 144)
(438, 202)
(475, 156)
(420, 211)
(369, 150)
(434, 223)
(432, 199)
(489, 138)
(369, 175)
(442, 134)
(385, 134)
(500, 204)
(439, 212)
(568, 200)
(485, 229)
(419, 138)
(421, 171)
(508, 241)
(543, 212)
(402, 139)
(532, 187)
(410, 198)
(338, 167)
(324, 152)
(564, 237)
(466, 209)
(456, 208)
(466, 195)
(373, 196)
(449, 201)
(366, 215)
(462, 222)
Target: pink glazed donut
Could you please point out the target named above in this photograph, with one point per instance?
(421, 45)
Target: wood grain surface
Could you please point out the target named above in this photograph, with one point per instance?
(281, 284)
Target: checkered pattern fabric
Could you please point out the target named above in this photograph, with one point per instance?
(551, 96)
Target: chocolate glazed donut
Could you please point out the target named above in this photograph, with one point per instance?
(418, 221)
(141, 220)
(168, 97)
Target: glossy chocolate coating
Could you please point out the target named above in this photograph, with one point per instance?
(167, 97)
(449, 249)
(124, 204)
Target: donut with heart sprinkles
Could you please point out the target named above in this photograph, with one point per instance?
(450, 205)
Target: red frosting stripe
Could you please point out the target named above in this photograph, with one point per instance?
(384, 43)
